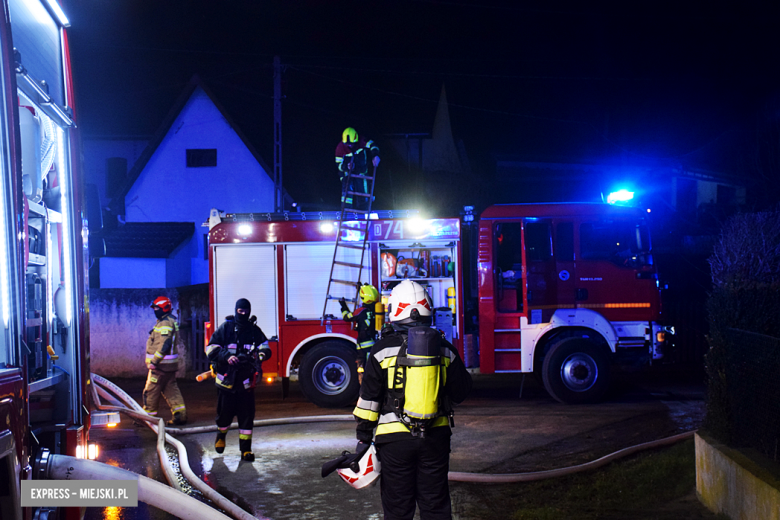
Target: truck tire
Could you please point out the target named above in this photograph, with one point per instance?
(576, 370)
(328, 375)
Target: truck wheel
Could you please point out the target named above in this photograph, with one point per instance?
(576, 370)
(328, 375)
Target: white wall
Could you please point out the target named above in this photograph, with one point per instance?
(168, 191)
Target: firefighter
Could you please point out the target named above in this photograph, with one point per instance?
(236, 350)
(365, 321)
(412, 417)
(162, 360)
(351, 157)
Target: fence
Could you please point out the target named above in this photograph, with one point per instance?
(750, 387)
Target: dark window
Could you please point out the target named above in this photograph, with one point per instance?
(201, 157)
(624, 243)
(564, 242)
(726, 195)
(538, 241)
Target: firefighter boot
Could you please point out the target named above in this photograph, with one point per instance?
(219, 444)
(179, 418)
(245, 445)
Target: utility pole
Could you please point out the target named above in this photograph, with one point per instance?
(278, 190)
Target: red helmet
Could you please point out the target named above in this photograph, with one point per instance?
(163, 302)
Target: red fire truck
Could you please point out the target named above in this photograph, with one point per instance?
(562, 289)
(44, 355)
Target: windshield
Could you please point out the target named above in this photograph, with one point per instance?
(622, 242)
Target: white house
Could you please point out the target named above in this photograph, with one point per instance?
(196, 161)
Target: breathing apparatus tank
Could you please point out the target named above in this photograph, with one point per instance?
(423, 373)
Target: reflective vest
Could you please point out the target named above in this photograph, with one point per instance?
(161, 345)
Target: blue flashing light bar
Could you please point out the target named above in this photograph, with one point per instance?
(620, 196)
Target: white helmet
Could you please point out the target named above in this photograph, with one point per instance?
(369, 471)
(406, 298)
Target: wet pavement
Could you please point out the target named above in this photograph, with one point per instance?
(497, 430)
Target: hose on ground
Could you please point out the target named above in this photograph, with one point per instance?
(156, 494)
(456, 476)
(134, 410)
(453, 476)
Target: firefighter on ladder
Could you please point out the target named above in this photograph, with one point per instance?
(351, 157)
(365, 321)
(162, 360)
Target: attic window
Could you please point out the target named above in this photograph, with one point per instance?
(201, 157)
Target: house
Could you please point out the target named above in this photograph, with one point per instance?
(197, 160)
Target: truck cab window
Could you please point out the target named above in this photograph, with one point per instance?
(509, 260)
(538, 241)
(622, 243)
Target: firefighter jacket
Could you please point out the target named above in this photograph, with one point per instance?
(354, 154)
(161, 350)
(245, 341)
(365, 321)
(374, 407)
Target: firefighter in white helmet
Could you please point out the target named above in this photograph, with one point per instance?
(413, 415)
(351, 157)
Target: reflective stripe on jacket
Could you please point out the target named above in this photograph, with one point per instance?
(161, 345)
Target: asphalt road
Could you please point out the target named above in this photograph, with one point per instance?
(501, 428)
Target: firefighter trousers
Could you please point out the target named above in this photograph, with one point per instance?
(414, 471)
(241, 404)
(157, 383)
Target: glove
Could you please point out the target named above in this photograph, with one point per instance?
(343, 303)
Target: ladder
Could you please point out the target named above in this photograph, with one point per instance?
(351, 235)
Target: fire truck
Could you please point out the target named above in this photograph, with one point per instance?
(561, 290)
(44, 354)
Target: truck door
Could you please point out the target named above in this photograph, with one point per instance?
(509, 296)
(615, 275)
(563, 251)
(549, 259)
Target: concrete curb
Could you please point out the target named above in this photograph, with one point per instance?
(728, 482)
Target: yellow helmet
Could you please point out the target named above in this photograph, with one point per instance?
(369, 294)
(350, 135)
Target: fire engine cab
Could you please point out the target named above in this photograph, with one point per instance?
(562, 289)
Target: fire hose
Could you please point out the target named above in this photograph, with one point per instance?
(453, 476)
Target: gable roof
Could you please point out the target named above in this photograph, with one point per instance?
(147, 239)
(162, 131)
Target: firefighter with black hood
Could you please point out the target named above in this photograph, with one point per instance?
(412, 379)
(236, 350)
(364, 321)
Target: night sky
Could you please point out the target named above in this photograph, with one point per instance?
(544, 81)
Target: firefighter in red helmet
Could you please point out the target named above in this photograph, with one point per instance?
(351, 157)
(162, 359)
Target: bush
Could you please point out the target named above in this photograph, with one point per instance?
(745, 299)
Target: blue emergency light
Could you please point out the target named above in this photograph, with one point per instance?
(620, 196)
